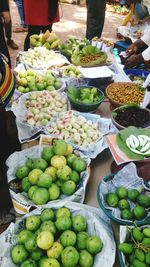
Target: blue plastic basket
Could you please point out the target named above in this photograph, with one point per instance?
(137, 72)
(109, 213)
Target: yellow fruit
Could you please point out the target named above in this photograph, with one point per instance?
(55, 44)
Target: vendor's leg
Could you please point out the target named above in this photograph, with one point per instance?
(95, 18)
(45, 28)
(19, 4)
(3, 45)
(8, 33)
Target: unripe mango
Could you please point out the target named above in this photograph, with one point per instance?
(137, 263)
(138, 236)
(139, 254)
(126, 248)
(146, 232)
(147, 257)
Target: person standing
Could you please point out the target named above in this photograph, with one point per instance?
(4, 18)
(49, 14)
(95, 18)
(22, 27)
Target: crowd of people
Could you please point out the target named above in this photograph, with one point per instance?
(39, 16)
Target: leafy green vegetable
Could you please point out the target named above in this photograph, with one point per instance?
(90, 50)
(124, 134)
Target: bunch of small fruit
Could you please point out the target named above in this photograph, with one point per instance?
(120, 199)
(57, 172)
(43, 106)
(71, 71)
(55, 239)
(48, 39)
(29, 80)
(75, 128)
(137, 247)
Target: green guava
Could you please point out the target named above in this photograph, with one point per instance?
(63, 223)
(68, 188)
(70, 159)
(31, 191)
(51, 171)
(55, 251)
(75, 177)
(19, 254)
(45, 240)
(49, 262)
(29, 263)
(25, 184)
(40, 196)
(69, 150)
(47, 214)
(70, 257)
(40, 164)
(34, 175)
(79, 165)
(68, 238)
(32, 223)
(30, 164)
(81, 240)
(22, 172)
(60, 147)
(94, 244)
(36, 254)
(59, 183)
(79, 223)
(48, 226)
(58, 161)
(85, 259)
(23, 236)
(30, 244)
(44, 180)
(64, 173)
(63, 212)
(54, 192)
(47, 153)
(122, 192)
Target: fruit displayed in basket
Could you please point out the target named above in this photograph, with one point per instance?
(29, 80)
(55, 238)
(41, 58)
(57, 171)
(84, 95)
(89, 56)
(71, 71)
(76, 129)
(132, 203)
(136, 247)
(71, 45)
(48, 39)
(43, 106)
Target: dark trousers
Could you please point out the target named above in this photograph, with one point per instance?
(3, 46)
(34, 30)
(8, 30)
(95, 18)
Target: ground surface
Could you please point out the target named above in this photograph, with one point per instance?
(73, 22)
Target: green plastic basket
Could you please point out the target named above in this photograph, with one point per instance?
(109, 213)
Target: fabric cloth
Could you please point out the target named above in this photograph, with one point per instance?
(141, 11)
(146, 39)
(147, 4)
(37, 12)
(19, 4)
(95, 18)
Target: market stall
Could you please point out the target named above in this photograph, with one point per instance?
(63, 106)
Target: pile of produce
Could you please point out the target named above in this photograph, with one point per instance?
(137, 79)
(55, 238)
(43, 106)
(29, 80)
(124, 200)
(125, 93)
(48, 39)
(89, 56)
(71, 71)
(41, 58)
(134, 142)
(76, 129)
(72, 45)
(56, 172)
(132, 115)
(121, 10)
(84, 95)
(136, 247)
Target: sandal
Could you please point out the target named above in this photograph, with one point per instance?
(20, 29)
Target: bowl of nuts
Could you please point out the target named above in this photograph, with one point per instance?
(123, 93)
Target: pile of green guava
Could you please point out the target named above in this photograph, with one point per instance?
(55, 239)
(57, 172)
